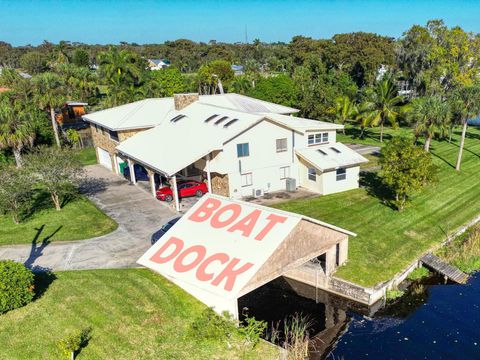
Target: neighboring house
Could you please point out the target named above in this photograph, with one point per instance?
(71, 114)
(238, 70)
(157, 64)
(241, 146)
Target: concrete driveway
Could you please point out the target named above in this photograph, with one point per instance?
(137, 213)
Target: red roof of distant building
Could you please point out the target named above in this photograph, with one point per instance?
(4, 89)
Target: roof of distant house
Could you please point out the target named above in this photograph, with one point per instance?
(151, 112)
(331, 156)
(159, 61)
(237, 67)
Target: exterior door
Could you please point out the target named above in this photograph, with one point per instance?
(104, 158)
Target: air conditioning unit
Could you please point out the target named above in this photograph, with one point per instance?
(291, 184)
(257, 193)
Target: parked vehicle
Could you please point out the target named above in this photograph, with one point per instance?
(158, 234)
(185, 189)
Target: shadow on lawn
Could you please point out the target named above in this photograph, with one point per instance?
(376, 188)
(44, 277)
(37, 248)
(355, 132)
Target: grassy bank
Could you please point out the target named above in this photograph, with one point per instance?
(387, 240)
(87, 156)
(134, 314)
(79, 219)
(464, 251)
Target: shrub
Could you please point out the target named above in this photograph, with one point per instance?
(394, 294)
(209, 325)
(252, 330)
(464, 252)
(16, 285)
(419, 273)
(74, 341)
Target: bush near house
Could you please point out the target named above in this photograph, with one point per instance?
(16, 285)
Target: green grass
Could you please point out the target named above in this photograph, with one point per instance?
(79, 219)
(418, 274)
(87, 156)
(389, 240)
(134, 314)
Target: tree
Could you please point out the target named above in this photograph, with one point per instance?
(406, 169)
(344, 110)
(166, 82)
(122, 66)
(240, 85)
(430, 115)
(467, 104)
(33, 62)
(81, 58)
(278, 89)
(214, 76)
(383, 104)
(49, 96)
(58, 171)
(17, 128)
(15, 191)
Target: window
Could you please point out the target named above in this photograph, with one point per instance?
(113, 135)
(341, 174)
(98, 128)
(243, 150)
(282, 145)
(284, 172)
(312, 174)
(318, 138)
(246, 179)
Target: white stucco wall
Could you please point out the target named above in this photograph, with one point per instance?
(331, 185)
(305, 182)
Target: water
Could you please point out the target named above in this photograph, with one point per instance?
(433, 322)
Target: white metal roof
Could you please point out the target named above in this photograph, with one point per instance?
(245, 103)
(151, 112)
(301, 124)
(173, 145)
(331, 156)
(137, 115)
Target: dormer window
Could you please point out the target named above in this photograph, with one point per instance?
(318, 138)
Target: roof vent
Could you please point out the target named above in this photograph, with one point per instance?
(336, 150)
(222, 119)
(176, 118)
(322, 152)
(230, 123)
(211, 117)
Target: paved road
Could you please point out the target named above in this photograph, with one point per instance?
(138, 214)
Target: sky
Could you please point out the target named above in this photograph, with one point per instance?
(25, 22)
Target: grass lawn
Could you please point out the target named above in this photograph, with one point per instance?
(67, 224)
(387, 240)
(87, 156)
(134, 314)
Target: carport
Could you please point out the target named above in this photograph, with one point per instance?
(222, 249)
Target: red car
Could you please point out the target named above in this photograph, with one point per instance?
(185, 189)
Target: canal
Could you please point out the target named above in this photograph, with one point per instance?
(433, 321)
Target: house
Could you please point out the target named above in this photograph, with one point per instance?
(71, 114)
(238, 70)
(242, 147)
(157, 64)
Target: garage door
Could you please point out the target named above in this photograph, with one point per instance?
(104, 158)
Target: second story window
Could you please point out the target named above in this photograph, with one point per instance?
(243, 150)
(282, 145)
(318, 138)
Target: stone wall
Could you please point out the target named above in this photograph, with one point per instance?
(124, 135)
(220, 184)
(183, 100)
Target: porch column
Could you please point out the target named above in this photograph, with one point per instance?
(209, 177)
(151, 177)
(131, 164)
(175, 193)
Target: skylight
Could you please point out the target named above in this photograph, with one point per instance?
(230, 123)
(178, 117)
(210, 118)
(336, 150)
(322, 152)
(223, 118)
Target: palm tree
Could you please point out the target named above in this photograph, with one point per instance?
(383, 105)
(17, 128)
(430, 115)
(49, 96)
(466, 103)
(363, 116)
(344, 110)
(122, 65)
(240, 85)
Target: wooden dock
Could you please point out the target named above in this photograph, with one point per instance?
(447, 270)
